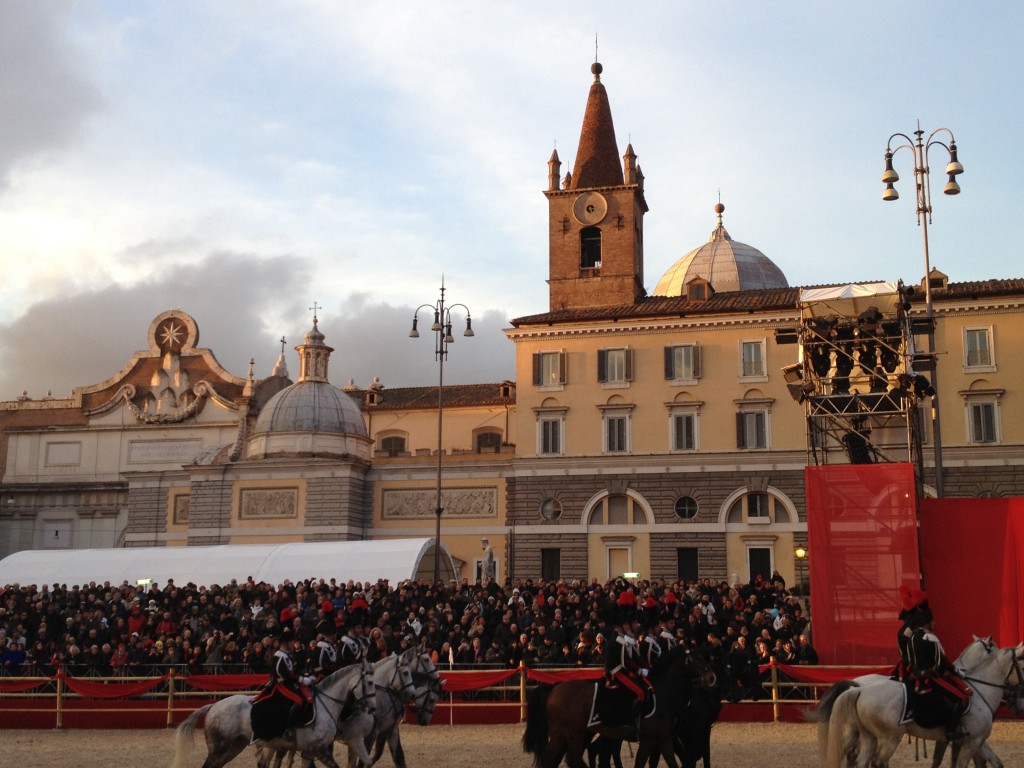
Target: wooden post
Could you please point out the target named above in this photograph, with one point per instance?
(170, 698)
(522, 692)
(775, 689)
(60, 699)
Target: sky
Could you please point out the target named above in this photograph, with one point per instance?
(243, 159)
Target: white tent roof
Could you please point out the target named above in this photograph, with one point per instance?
(849, 300)
(393, 559)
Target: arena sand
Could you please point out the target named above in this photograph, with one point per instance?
(734, 745)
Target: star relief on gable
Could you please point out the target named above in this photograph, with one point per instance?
(171, 335)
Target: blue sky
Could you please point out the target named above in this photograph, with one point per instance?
(240, 160)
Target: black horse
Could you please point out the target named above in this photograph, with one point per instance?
(681, 724)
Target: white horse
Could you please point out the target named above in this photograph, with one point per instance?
(865, 725)
(227, 723)
(390, 709)
(822, 712)
(393, 682)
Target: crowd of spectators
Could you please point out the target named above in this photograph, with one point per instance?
(102, 630)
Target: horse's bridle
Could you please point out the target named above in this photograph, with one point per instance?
(401, 679)
(1011, 693)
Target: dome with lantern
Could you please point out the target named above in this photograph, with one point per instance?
(724, 263)
(311, 417)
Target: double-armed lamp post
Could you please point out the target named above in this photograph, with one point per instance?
(920, 148)
(442, 328)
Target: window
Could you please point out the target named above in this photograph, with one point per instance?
(615, 366)
(686, 508)
(616, 433)
(551, 509)
(757, 507)
(590, 248)
(682, 362)
(978, 349)
(549, 369)
(549, 435)
(550, 564)
(982, 422)
(393, 445)
(617, 509)
(488, 440)
(697, 291)
(752, 429)
(684, 431)
(752, 362)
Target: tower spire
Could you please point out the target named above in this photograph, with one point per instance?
(597, 159)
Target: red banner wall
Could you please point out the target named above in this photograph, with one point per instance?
(862, 542)
(971, 557)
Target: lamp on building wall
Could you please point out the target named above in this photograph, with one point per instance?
(801, 560)
(920, 148)
(442, 328)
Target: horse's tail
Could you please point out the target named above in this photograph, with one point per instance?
(535, 737)
(822, 713)
(844, 729)
(183, 736)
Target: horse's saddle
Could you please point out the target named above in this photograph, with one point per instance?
(278, 707)
(927, 704)
(613, 705)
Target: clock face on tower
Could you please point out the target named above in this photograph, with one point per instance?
(590, 208)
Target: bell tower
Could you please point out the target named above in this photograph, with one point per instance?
(595, 218)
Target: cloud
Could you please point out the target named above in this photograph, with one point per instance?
(44, 98)
(243, 306)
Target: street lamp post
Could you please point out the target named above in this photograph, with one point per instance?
(442, 328)
(920, 148)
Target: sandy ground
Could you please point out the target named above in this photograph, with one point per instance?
(734, 745)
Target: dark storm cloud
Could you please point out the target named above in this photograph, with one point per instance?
(86, 338)
(43, 97)
(371, 339)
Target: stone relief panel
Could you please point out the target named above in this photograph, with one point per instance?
(269, 503)
(181, 504)
(416, 504)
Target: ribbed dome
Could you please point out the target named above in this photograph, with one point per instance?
(311, 406)
(725, 263)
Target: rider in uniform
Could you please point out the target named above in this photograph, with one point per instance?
(354, 646)
(325, 653)
(623, 667)
(285, 676)
(923, 663)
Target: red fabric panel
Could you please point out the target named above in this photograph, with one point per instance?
(472, 681)
(553, 676)
(972, 569)
(807, 674)
(224, 682)
(862, 542)
(94, 690)
(20, 685)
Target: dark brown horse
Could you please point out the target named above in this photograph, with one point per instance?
(557, 717)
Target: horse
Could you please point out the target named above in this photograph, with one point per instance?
(865, 724)
(558, 717)
(392, 681)
(690, 731)
(822, 712)
(227, 723)
(428, 684)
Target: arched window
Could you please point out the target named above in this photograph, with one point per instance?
(487, 439)
(758, 508)
(393, 445)
(617, 509)
(590, 248)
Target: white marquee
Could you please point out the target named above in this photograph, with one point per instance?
(393, 559)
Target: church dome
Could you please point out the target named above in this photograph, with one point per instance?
(728, 265)
(311, 417)
(311, 406)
